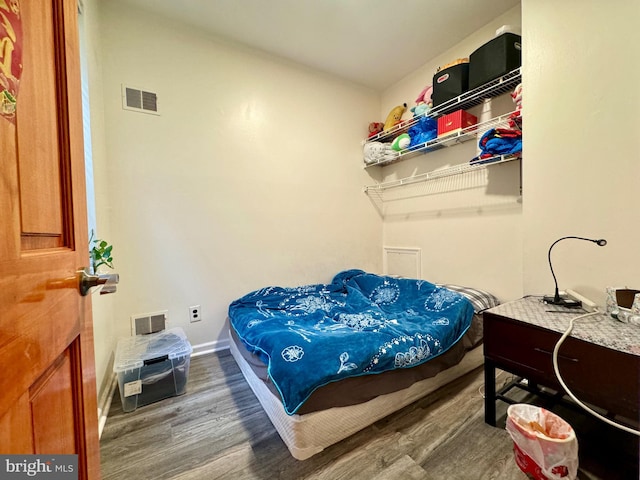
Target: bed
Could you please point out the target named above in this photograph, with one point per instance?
(327, 360)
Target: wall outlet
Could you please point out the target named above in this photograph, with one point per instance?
(194, 313)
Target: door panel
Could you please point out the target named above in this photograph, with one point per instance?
(48, 401)
(12, 424)
(38, 154)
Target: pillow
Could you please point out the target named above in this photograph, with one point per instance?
(480, 299)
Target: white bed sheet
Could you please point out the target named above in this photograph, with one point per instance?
(308, 434)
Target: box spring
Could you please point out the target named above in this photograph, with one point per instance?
(309, 433)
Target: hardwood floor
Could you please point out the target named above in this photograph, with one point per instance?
(218, 430)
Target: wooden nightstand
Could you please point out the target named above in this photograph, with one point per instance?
(599, 362)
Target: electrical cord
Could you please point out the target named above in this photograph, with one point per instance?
(566, 389)
(507, 380)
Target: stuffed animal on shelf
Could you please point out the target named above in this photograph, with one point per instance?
(423, 102)
(375, 128)
(401, 142)
(516, 95)
(395, 116)
(515, 119)
(420, 110)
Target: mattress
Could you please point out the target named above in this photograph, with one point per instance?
(358, 325)
(307, 434)
(359, 389)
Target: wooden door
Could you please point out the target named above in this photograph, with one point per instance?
(47, 372)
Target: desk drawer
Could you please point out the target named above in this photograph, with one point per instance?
(598, 375)
(524, 347)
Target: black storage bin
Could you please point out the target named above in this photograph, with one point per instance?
(450, 83)
(494, 59)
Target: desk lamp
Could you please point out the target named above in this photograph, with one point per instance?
(556, 299)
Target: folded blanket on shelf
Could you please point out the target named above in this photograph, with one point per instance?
(378, 152)
(499, 141)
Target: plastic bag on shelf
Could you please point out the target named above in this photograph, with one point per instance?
(544, 445)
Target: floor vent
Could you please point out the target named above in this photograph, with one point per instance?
(148, 323)
(139, 100)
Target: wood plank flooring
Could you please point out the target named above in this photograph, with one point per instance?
(218, 430)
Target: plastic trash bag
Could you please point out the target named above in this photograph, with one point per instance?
(544, 445)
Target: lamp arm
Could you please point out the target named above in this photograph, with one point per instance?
(556, 296)
(600, 242)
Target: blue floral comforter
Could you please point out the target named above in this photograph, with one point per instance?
(359, 324)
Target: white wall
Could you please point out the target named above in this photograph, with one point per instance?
(581, 141)
(251, 175)
(468, 227)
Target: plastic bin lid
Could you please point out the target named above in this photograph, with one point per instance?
(133, 351)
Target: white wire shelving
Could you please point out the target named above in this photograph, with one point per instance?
(468, 99)
(442, 173)
(497, 87)
(455, 138)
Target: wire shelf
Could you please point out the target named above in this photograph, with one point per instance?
(494, 88)
(442, 173)
(455, 138)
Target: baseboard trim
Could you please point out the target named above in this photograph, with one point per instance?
(210, 347)
(104, 403)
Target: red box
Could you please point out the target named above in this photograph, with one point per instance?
(455, 121)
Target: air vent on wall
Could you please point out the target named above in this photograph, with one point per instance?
(148, 323)
(402, 262)
(139, 100)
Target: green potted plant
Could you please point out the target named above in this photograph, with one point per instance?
(100, 253)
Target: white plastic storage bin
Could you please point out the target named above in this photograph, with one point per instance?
(152, 367)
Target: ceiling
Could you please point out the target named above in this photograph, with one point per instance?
(370, 42)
